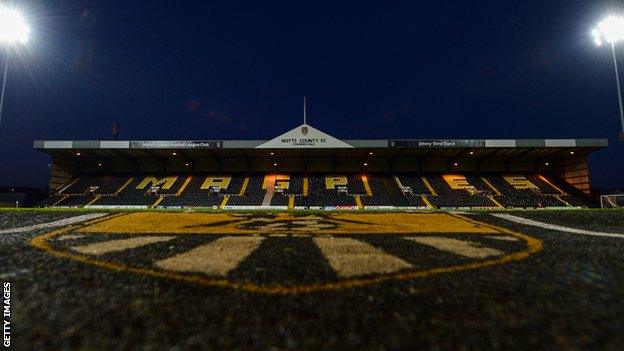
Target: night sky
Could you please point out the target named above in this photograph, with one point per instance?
(239, 70)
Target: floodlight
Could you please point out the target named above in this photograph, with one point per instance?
(611, 30)
(13, 27)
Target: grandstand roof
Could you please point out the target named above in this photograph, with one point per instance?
(305, 141)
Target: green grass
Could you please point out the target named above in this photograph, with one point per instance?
(201, 210)
(209, 210)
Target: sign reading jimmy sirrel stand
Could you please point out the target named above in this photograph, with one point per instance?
(437, 143)
(304, 136)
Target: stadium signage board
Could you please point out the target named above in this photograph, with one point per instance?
(304, 136)
(176, 144)
(437, 143)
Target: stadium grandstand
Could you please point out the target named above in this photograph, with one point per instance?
(306, 168)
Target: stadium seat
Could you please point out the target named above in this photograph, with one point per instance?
(415, 182)
(76, 201)
(163, 184)
(279, 200)
(192, 201)
(323, 190)
(126, 200)
(385, 192)
(459, 190)
(100, 184)
(523, 192)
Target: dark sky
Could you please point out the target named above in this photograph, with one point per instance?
(382, 69)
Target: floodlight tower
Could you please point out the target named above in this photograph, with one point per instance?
(611, 30)
(13, 31)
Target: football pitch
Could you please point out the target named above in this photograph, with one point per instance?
(313, 280)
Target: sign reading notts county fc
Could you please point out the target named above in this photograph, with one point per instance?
(304, 136)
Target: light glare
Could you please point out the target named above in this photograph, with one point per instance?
(13, 27)
(596, 33)
(611, 29)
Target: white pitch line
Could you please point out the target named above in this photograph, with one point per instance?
(119, 245)
(217, 258)
(70, 237)
(351, 257)
(533, 223)
(502, 238)
(455, 246)
(59, 223)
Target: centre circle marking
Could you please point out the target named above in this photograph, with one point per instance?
(344, 250)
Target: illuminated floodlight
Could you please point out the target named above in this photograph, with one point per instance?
(13, 27)
(611, 30)
(13, 30)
